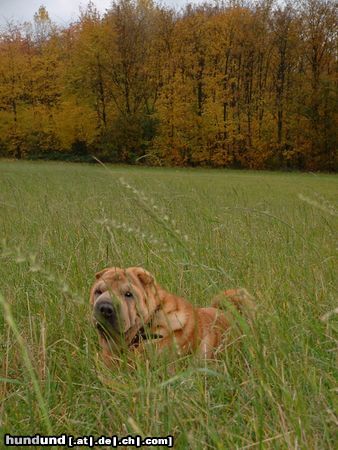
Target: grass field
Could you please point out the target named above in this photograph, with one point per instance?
(198, 231)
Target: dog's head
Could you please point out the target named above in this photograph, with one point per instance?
(123, 301)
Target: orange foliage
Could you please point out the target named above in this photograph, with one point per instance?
(228, 85)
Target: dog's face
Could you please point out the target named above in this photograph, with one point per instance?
(123, 301)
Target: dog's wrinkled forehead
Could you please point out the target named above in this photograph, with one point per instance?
(115, 277)
(110, 272)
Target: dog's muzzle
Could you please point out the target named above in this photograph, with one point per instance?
(107, 317)
(106, 310)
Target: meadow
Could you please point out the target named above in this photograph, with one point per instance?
(198, 231)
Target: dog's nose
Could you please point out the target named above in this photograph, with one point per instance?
(106, 309)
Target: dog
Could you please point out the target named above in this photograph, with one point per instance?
(133, 312)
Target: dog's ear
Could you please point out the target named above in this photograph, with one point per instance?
(99, 274)
(143, 275)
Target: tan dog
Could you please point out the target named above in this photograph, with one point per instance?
(132, 311)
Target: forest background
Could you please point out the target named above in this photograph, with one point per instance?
(224, 84)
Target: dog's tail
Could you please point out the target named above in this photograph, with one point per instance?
(243, 302)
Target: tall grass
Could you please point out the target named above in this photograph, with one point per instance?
(198, 231)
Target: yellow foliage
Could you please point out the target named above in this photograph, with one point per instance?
(243, 86)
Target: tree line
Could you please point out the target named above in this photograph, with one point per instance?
(224, 84)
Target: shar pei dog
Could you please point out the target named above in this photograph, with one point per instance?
(132, 312)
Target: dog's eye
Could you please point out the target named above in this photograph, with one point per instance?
(98, 292)
(128, 294)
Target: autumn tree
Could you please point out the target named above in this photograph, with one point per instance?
(12, 68)
(133, 75)
(86, 79)
(319, 39)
